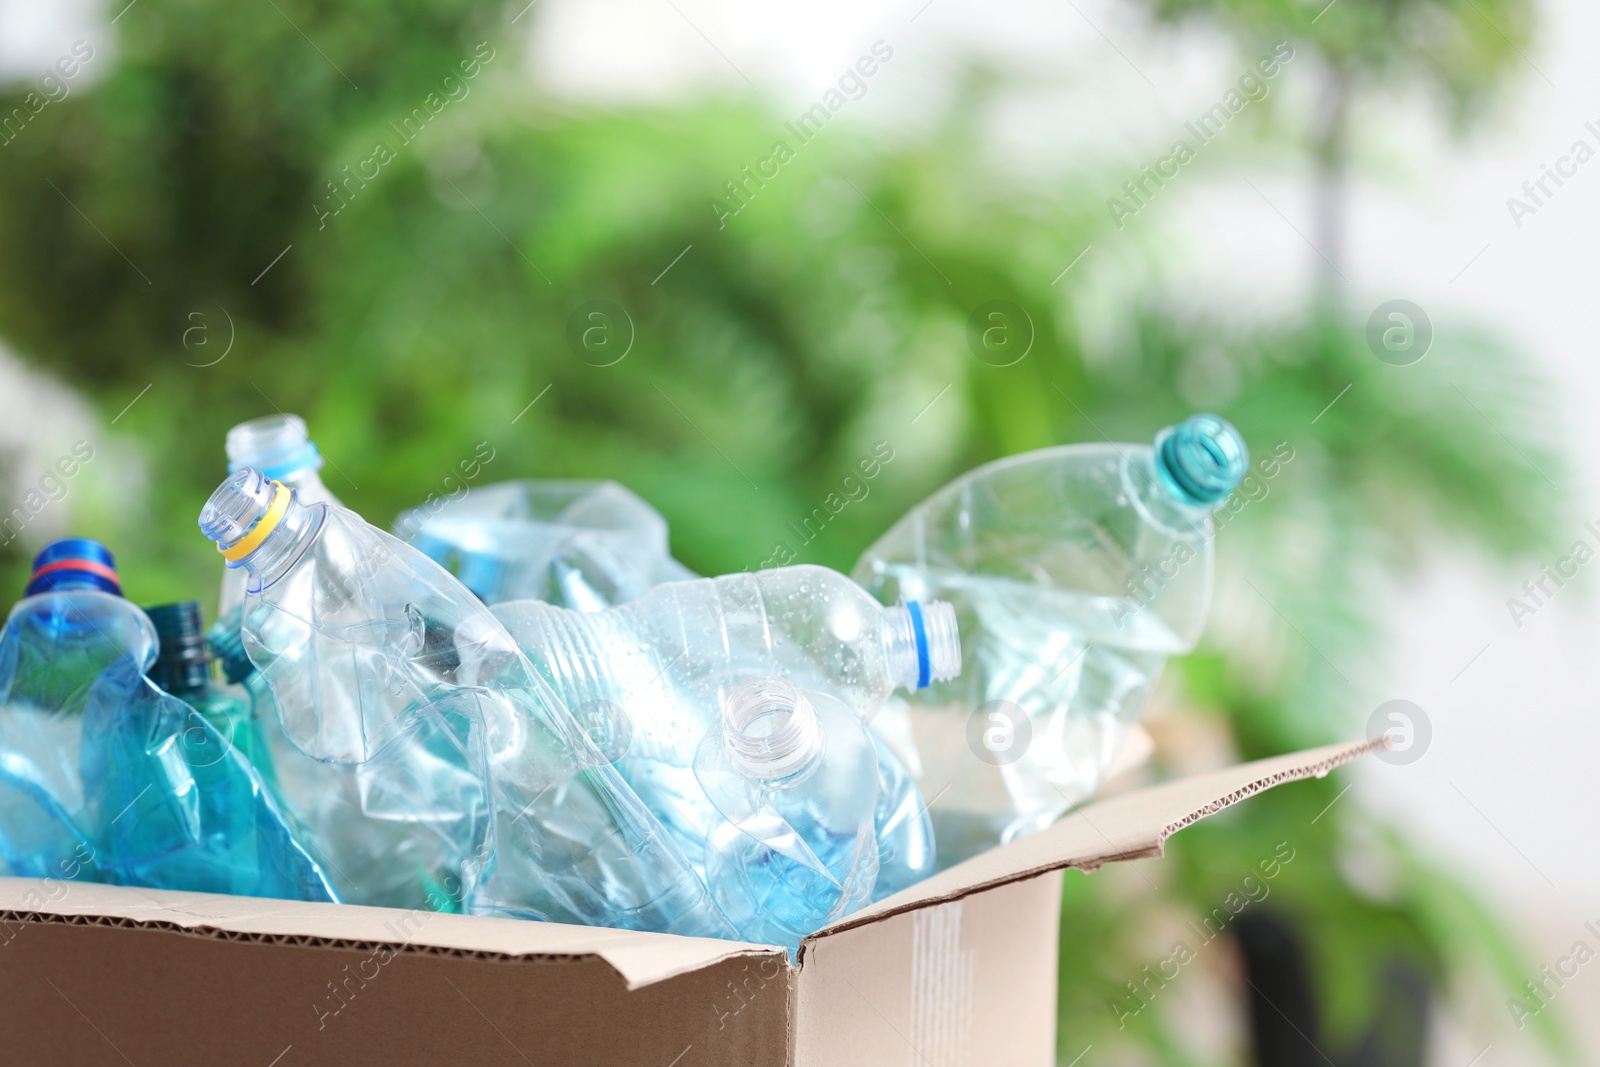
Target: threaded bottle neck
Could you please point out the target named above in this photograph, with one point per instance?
(260, 525)
(277, 445)
(1201, 460)
(924, 643)
(183, 664)
(770, 731)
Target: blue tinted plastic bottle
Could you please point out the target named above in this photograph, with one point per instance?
(163, 800)
(72, 625)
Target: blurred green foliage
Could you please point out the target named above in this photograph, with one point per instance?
(766, 353)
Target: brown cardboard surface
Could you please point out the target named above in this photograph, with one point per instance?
(971, 981)
(639, 958)
(93, 995)
(1127, 826)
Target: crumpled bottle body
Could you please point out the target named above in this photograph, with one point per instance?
(581, 544)
(648, 679)
(1074, 577)
(131, 785)
(786, 857)
(377, 657)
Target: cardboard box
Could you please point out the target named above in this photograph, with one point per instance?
(960, 969)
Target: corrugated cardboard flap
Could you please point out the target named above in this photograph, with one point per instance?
(640, 958)
(1129, 826)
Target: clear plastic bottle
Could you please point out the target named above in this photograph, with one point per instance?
(280, 447)
(141, 787)
(904, 827)
(582, 545)
(373, 652)
(793, 778)
(1075, 572)
(380, 845)
(649, 678)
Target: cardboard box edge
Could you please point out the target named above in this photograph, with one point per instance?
(1328, 757)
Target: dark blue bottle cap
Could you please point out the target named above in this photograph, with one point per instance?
(74, 563)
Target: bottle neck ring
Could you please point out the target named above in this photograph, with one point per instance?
(771, 731)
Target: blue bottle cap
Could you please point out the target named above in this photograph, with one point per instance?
(74, 563)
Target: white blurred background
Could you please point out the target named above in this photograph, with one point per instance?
(1508, 790)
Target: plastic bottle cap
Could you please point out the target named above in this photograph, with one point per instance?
(74, 563)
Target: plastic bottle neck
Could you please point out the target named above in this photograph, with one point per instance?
(259, 524)
(276, 445)
(771, 732)
(183, 664)
(74, 563)
(1199, 462)
(924, 643)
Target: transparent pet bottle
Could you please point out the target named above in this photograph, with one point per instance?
(649, 678)
(280, 447)
(582, 545)
(1075, 573)
(375, 655)
(381, 843)
(793, 778)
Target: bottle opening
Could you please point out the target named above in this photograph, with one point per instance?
(925, 643)
(770, 730)
(74, 563)
(1201, 460)
(237, 510)
(276, 445)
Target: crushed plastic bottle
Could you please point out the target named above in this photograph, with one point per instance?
(280, 447)
(793, 778)
(374, 654)
(380, 845)
(1075, 572)
(103, 775)
(72, 625)
(582, 545)
(649, 678)
(903, 827)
